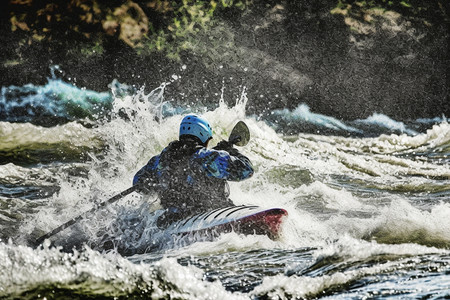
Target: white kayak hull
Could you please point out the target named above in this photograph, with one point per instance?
(241, 219)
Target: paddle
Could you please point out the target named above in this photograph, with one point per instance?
(82, 216)
(240, 136)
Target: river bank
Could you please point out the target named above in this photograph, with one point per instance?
(340, 59)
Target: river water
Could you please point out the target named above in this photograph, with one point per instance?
(368, 202)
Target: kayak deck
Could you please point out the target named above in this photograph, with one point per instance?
(241, 219)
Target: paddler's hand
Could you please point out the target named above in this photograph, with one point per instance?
(224, 145)
(145, 186)
(227, 146)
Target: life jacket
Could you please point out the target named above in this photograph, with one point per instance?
(185, 188)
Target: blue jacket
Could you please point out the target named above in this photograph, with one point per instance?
(193, 178)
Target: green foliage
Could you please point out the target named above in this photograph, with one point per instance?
(147, 26)
(187, 19)
(92, 49)
(429, 11)
(161, 25)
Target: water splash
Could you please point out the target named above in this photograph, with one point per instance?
(350, 201)
(384, 122)
(293, 121)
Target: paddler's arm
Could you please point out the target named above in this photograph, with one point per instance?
(147, 176)
(229, 165)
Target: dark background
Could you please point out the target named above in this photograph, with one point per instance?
(346, 59)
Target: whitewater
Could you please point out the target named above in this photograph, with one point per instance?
(368, 202)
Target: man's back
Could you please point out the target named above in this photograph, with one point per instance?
(194, 178)
(188, 177)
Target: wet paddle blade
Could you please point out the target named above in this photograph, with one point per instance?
(240, 135)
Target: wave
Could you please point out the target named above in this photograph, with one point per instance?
(403, 223)
(26, 144)
(98, 275)
(347, 266)
(54, 103)
(301, 118)
(384, 122)
(350, 267)
(59, 102)
(298, 172)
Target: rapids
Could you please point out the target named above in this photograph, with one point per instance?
(368, 202)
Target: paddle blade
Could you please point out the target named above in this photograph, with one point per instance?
(240, 135)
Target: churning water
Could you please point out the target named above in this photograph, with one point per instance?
(368, 202)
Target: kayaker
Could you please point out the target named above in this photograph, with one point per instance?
(188, 177)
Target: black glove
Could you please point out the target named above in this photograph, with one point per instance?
(224, 145)
(145, 186)
(227, 146)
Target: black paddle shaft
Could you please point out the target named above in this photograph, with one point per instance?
(76, 219)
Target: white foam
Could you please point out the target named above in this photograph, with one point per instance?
(349, 249)
(108, 275)
(386, 122)
(368, 162)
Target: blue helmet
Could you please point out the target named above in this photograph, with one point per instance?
(196, 126)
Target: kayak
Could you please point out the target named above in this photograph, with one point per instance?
(240, 219)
